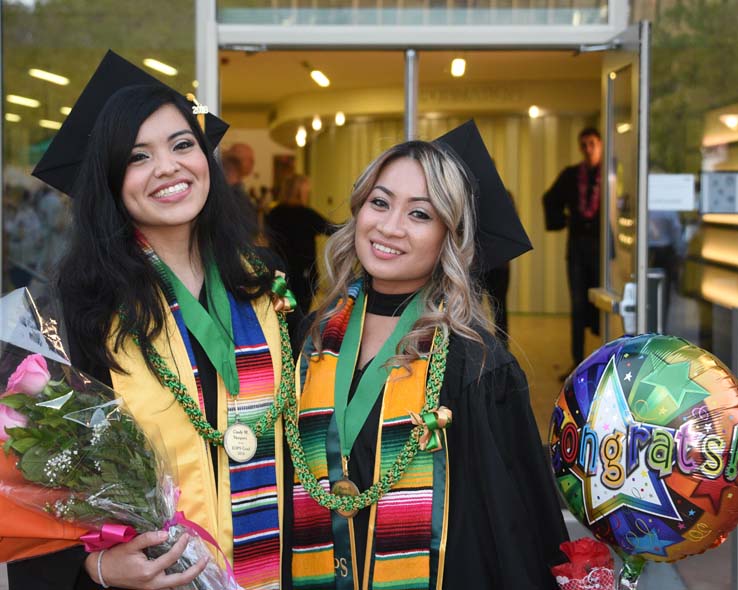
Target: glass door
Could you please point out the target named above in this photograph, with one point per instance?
(621, 298)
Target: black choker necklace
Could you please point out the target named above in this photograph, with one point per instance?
(384, 304)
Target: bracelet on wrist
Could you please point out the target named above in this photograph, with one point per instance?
(99, 569)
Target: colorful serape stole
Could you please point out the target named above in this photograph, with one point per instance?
(407, 527)
(256, 542)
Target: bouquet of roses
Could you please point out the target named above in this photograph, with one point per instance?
(590, 566)
(72, 452)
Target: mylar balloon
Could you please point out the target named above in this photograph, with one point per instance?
(644, 446)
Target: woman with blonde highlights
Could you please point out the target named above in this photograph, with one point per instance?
(450, 282)
(417, 460)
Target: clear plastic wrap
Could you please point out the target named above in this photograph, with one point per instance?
(73, 452)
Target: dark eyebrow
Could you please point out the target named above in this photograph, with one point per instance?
(170, 138)
(389, 193)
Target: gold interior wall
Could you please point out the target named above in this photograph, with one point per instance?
(529, 154)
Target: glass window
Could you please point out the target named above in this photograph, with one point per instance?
(414, 12)
(694, 129)
(50, 50)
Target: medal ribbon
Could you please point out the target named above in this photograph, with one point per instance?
(211, 327)
(350, 417)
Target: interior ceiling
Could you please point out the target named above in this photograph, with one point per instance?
(258, 80)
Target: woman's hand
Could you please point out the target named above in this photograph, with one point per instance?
(126, 565)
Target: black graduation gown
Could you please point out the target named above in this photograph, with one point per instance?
(505, 521)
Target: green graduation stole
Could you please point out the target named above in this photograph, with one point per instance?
(408, 525)
(232, 337)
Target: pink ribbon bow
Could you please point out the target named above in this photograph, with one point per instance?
(108, 536)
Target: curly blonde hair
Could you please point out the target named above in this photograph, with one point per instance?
(451, 300)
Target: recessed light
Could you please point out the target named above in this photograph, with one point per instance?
(458, 67)
(320, 78)
(23, 101)
(48, 76)
(49, 124)
(160, 66)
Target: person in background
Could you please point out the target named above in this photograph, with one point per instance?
(161, 261)
(232, 172)
(573, 202)
(665, 248)
(54, 213)
(417, 458)
(25, 240)
(292, 227)
(243, 153)
(496, 282)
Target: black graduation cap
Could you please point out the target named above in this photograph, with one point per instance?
(60, 164)
(500, 235)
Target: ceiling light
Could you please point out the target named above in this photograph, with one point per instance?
(301, 136)
(48, 77)
(317, 124)
(534, 112)
(340, 118)
(23, 101)
(613, 75)
(195, 84)
(49, 124)
(65, 110)
(729, 120)
(320, 78)
(12, 117)
(623, 127)
(458, 67)
(155, 64)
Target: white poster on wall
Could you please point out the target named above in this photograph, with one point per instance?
(671, 192)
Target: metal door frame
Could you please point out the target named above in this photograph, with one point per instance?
(210, 36)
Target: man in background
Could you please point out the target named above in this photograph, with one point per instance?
(573, 202)
(238, 164)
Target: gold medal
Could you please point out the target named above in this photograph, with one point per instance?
(345, 487)
(239, 442)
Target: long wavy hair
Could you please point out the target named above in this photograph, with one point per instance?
(451, 299)
(104, 270)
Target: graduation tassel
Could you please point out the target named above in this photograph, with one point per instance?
(199, 110)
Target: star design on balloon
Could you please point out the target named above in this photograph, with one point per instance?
(628, 376)
(650, 543)
(642, 490)
(671, 390)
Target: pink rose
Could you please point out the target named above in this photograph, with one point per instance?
(30, 377)
(9, 418)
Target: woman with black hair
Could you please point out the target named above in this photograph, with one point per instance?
(161, 267)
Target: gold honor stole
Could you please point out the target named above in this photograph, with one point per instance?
(408, 526)
(187, 455)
